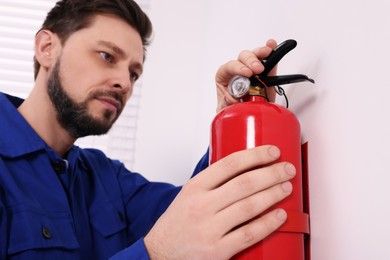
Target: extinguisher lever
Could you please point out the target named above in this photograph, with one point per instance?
(280, 80)
(239, 86)
(276, 55)
(263, 80)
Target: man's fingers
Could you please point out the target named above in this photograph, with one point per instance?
(252, 206)
(230, 69)
(234, 164)
(263, 52)
(271, 43)
(252, 182)
(250, 60)
(252, 232)
(247, 64)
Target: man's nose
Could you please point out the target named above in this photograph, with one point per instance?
(121, 80)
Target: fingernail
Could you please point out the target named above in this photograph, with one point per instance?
(287, 186)
(290, 169)
(256, 64)
(281, 214)
(274, 151)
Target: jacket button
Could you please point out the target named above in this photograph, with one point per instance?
(59, 167)
(46, 232)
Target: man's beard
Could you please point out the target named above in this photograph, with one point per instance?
(74, 116)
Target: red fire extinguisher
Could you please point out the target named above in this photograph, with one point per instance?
(253, 122)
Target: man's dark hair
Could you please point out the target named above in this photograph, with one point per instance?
(69, 16)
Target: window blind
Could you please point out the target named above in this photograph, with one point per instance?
(19, 21)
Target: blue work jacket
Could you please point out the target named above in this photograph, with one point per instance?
(84, 206)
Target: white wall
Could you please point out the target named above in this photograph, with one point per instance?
(343, 45)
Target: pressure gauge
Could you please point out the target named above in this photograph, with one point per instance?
(239, 86)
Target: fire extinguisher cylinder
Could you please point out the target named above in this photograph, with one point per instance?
(254, 122)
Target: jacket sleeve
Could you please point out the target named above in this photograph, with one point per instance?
(3, 231)
(135, 251)
(202, 164)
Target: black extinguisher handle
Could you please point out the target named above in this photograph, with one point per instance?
(239, 86)
(276, 55)
(280, 80)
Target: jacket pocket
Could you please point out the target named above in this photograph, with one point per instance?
(31, 229)
(108, 219)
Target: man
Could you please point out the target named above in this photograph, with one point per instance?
(58, 201)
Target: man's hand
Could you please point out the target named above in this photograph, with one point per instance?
(247, 64)
(220, 212)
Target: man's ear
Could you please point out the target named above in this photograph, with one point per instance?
(46, 43)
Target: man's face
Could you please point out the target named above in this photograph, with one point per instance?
(94, 75)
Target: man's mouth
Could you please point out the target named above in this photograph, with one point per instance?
(111, 103)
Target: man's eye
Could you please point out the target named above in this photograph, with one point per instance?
(106, 56)
(134, 76)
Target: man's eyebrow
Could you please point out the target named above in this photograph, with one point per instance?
(112, 47)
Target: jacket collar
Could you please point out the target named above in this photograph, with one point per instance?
(16, 135)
